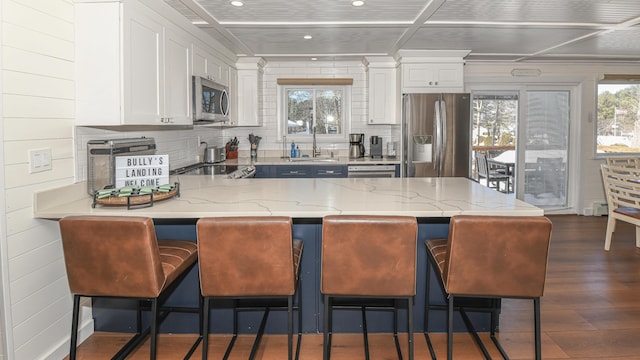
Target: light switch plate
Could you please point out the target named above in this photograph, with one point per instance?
(39, 160)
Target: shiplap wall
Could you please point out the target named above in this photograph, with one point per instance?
(38, 112)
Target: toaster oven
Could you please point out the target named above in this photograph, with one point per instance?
(101, 159)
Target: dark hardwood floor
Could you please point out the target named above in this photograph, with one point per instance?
(590, 310)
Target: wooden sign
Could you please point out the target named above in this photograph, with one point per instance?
(142, 170)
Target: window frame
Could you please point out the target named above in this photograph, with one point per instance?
(282, 113)
(611, 80)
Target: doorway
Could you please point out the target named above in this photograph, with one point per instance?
(524, 132)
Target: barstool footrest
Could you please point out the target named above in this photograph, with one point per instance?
(365, 333)
(256, 342)
(137, 339)
(474, 334)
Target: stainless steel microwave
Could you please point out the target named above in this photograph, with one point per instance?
(210, 101)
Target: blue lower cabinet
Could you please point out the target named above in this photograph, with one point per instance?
(301, 171)
(110, 316)
(263, 171)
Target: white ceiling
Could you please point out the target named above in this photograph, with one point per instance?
(506, 30)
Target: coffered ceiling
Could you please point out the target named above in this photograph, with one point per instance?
(493, 30)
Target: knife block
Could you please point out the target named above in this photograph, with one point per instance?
(232, 154)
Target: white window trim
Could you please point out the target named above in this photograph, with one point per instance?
(281, 116)
(596, 154)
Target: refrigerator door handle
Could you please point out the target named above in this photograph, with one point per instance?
(408, 140)
(443, 133)
(438, 136)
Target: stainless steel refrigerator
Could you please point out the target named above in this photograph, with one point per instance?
(436, 135)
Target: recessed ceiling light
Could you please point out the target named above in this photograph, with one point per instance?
(308, 37)
(237, 3)
(314, 59)
(357, 3)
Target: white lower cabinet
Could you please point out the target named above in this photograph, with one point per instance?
(133, 67)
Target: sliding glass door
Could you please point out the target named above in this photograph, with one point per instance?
(546, 147)
(524, 132)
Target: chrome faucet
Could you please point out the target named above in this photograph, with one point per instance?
(316, 150)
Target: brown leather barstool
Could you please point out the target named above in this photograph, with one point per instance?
(114, 256)
(489, 257)
(368, 257)
(249, 258)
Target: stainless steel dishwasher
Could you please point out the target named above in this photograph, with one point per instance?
(372, 171)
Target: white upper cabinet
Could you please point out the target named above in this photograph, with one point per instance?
(383, 93)
(249, 92)
(132, 67)
(432, 71)
(177, 78)
(432, 76)
(209, 67)
(233, 91)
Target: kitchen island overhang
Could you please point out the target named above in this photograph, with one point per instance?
(431, 200)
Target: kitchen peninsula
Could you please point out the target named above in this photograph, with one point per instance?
(432, 200)
(202, 196)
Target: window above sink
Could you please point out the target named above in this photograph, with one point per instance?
(303, 108)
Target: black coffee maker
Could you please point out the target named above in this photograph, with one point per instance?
(356, 146)
(376, 147)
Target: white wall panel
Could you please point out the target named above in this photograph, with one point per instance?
(24, 310)
(17, 152)
(36, 42)
(33, 238)
(18, 83)
(38, 112)
(62, 9)
(18, 106)
(17, 129)
(31, 329)
(20, 60)
(29, 284)
(18, 175)
(22, 15)
(26, 263)
(22, 197)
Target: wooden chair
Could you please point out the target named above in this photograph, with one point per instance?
(622, 188)
(489, 257)
(113, 256)
(366, 258)
(249, 258)
(492, 176)
(633, 162)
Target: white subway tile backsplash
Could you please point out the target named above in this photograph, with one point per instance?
(271, 141)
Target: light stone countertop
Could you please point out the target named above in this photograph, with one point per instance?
(202, 196)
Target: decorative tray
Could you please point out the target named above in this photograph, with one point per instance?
(135, 197)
